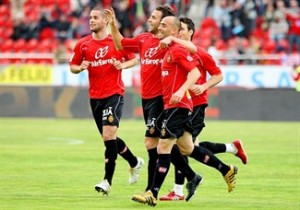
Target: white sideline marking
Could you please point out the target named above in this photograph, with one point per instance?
(67, 140)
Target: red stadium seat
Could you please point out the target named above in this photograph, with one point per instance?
(7, 33)
(208, 23)
(47, 45)
(69, 45)
(47, 33)
(4, 10)
(7, 46)
(19, 45)
(31, 45)
(220, 45)
(2, 21)
(2, 33)
(269, 46)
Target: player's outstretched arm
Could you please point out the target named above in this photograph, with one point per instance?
(125, 65)
(116, 35)
(186, 44)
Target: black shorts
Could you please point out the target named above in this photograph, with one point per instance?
(175, 122)
(198, 116)
(152, 111)
(107, 111)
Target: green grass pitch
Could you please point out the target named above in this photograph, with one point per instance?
(51, 164)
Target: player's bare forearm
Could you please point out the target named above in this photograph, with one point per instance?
(116, 35)
(186, 44)
(126, 64)
(130, 63)
(192, 78)
(214, 80)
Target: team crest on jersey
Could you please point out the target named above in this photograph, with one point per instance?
(189, 58)
(101, 52)
(110, 118)
(150, 52)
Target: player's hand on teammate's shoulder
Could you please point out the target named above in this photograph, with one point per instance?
(165, 42)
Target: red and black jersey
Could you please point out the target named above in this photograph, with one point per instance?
(176, 65)
(206, 65)
(151, 56)
(104, 79)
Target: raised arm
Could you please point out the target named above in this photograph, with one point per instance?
(116, 35)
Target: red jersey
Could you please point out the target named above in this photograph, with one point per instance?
(206, 64)
(151, 56)
(176, 65)
(104, 79)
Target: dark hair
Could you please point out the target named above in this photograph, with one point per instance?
(165, 10)
(190, 24)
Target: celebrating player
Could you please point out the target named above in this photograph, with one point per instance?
(97, 54)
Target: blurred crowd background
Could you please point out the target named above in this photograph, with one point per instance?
(233, 31)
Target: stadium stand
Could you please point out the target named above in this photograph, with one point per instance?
(232, 28)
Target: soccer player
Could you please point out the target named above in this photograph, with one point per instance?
(97, 54)
(151, 56)
(179, 74)
(207, 65)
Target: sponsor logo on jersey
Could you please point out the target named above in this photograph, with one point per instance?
(148, 55)
(150, 52)
(151, 61)
(102, 62)
(101, 52)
